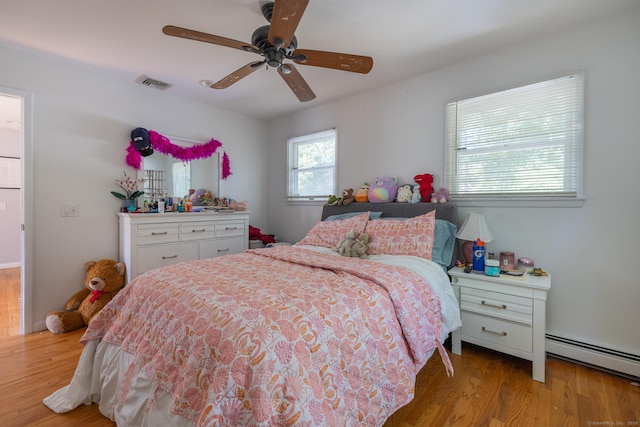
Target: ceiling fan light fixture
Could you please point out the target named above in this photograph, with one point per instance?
(285, 69)
(206, 83)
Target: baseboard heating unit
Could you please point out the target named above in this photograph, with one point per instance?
(606, 359)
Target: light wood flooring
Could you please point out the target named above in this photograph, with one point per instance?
(488, 389)
(10, 298)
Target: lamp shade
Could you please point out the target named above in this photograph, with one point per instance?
(475, 227)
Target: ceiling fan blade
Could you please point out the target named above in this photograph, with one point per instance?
(285, 18)
(297, 84)
(185, 33)
(236, 75)
(334, 60)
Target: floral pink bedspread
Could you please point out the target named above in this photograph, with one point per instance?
(279, 336)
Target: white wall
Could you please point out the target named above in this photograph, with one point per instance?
(10, 200)
(591, 251)
(82, 119)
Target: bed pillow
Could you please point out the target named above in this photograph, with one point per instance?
(412, 236)
(329, 233)
(444, 242)
(346, 215)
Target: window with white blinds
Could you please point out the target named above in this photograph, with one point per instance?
(312, 166)
(526, 141)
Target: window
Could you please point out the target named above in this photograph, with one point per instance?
(312, 166)
(181, 178)
(522, 142)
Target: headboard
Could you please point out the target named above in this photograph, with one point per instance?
(446, 211)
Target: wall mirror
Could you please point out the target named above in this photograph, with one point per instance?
(166, 176)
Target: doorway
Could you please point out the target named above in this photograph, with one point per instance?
(15, 186)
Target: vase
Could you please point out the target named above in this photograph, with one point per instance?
(126, 204)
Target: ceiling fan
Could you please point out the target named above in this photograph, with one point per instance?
(275, 43)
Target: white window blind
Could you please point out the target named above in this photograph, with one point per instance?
(312, 166)
(521, 142)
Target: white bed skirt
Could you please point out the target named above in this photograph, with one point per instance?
(101, 368)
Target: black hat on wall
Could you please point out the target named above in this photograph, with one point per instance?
(140, 138)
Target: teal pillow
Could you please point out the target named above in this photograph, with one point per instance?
(444, 242)
(372, 215)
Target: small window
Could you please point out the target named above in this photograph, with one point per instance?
(181, 178)
(312, 166)
(522, 142)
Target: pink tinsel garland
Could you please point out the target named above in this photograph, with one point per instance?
(186, 154)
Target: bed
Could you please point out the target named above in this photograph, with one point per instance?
(288, 335)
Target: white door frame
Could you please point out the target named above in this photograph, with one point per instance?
(26, 206)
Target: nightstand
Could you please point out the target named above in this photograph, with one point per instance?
(505, 313)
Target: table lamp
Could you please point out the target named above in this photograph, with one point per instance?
(474, 227)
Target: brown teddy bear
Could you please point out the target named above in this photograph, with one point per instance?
(104, 279)
(347, 197)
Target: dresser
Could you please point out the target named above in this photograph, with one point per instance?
(505, 313)
(149, 241)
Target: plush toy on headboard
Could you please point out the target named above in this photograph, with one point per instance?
(441, 196)
(383, 190)
(347, 197)
(404, 193)
(362, 195)
(425, 181)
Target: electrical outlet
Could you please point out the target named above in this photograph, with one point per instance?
(70, 209)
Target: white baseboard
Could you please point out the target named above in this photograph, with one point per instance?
(10, 265)
(592, 356)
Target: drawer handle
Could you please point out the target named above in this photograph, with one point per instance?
(503, 334)
(199, 231)
(223, 250)
(154, 233)
(494, 305)
(230, 228)
(169, 257)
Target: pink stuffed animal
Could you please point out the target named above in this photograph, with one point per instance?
(441, 196)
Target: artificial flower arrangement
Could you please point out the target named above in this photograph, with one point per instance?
(130, 187)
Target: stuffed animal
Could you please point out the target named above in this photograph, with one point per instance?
(425, 181)
(383, 190)
(103, 281)
(441, 196)
(347, 197)
(415, 195)
(404, 193)
(362, 195)
(332, 200)
(344, 246)
(360, 246)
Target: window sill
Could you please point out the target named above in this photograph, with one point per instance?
(307, 202)
(528, 202)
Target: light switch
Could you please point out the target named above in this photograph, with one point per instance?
(3, 206)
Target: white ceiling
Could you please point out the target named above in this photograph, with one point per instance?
(404, 37)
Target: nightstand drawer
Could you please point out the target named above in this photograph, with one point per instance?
(510, 307)
(505, 333)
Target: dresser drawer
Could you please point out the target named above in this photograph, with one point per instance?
(151, 234)
(150, 257)
(502, 332)
(214, 248)
(197, 230)
(230, 228)
(504, 306)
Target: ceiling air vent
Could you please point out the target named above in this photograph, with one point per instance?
(148, 81)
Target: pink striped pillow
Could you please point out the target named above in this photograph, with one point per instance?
(413, 236)
(329, 233)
